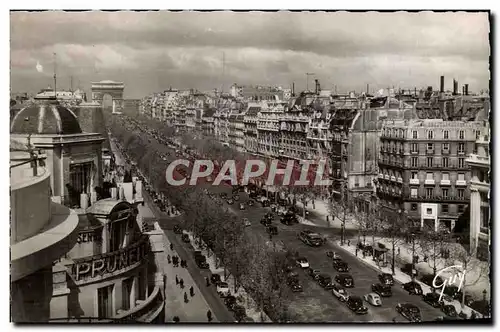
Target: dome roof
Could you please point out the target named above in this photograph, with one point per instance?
(45, 117)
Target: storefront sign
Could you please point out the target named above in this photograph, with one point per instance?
(100, 265)
(89, 236)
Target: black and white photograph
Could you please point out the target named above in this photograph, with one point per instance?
(250, 167)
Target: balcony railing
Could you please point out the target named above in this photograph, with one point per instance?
(445, 182)
(144, 309)
(435, 198)
(460, 183)
(414, 181)
(429, 182)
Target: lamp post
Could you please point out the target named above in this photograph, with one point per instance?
(413, 256)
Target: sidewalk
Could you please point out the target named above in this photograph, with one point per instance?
(195, 311)
(317, 216)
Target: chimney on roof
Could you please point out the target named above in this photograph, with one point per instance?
(466, 89)
(441, 86)
(367, 88)
(293, 89)
(463, 90)
(455, 87)
(317, 89)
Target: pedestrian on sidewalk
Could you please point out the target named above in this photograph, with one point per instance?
(171, 246)
(176, 319)
(399, 251)
(181, 282)
(207, 279)
(168, 259)
(191, 291)
(209, 316)
(357, 252)
(186, 299)
(348, 243)
(176, 280)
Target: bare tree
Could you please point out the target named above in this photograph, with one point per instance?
(340, 209)
(433, 244)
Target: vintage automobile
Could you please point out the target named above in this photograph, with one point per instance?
(355, 303)
(325, 281)
(273, 230)
(386, 279)
(177, 229)
(340, 266)
(449, 310)
(373, 299)
(432, 298)
(302, 262)
(246, 222)
(409, 311)
(242, 206)
(185, 238)
(382, 290)
(223, 289)
(340, 293)
(345, 280)
(413, 288)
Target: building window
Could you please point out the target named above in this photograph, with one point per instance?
(105, 302)
(461, 162)
(445, 162)
(127, 293)
(414, 147)
(461, 134)
(445, 192)
(414, 207)
(485, 220)
(446, 134)
(446, 146)
(478, 134)
(461, 209)
(414, 175)
(461, 177)
(415, 134)
(430, 134)
(430, 176)
(414, 192)
(429, 161)
(414, 161)
(445, 176)
(460, 193)
(429, 192)
(429, 211)
(444, 208)
(430, 146)
(461, 147)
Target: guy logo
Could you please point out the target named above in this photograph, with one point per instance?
(452, 279)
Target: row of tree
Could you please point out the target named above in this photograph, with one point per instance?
(252, 262)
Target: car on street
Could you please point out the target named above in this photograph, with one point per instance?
(382, 290)
(272, 230)
(230, 201)
(453, 292)
(413, 288)
(185, 238)
(310, 238)
(239, 312)
(236, 198)
(302, 262)
(201, 262)
(432, 298)
(449, 310)
(289, 219)
(223, 289)
(266, 222)
(345, 280)
(340, 293)
(410, 270)
(386, 279)
(428, 279)
(325, 281)
(246, 222)
(292, 276)
(340, 266)
(373, 299)
(223, 195)
(355, 303)
(269, 216)
(296, 287)
(177, 229)
(230, 302)
(215, 279)
(314, 273)
(250, 202)
(242, 206)
(409, 311)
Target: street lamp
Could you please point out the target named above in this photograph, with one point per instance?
(413, 256)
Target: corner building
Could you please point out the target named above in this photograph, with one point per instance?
(423, 171)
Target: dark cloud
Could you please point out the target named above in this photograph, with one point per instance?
(257, 45)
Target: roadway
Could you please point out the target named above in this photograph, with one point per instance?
(316, 304)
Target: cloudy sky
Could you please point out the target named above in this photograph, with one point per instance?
(151, 51)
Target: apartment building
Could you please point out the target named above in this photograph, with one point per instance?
(250, 120)
(268, 128)
(480, 216)
(423, 171)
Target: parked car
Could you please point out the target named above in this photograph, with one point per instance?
(314, 273)
(386, 279)
(215, 279)
(428, 279)
(355, 303)
(250, 202)
(296, 286)
(223, 195)
(266, 222)
(451, 292)
(340, 266)
(269, 216)
(449, 310)
(302, 262)
(373, 299)
(230, 201)
(382, 290)
(230, 302)
(185, 238)
(246, 222)
(242, 206)
(432, 298)
(223, 289)
(345, 280)
(330, 254)
(340, 293)
(409, 311)
(410, 270)
(325, 281)
(236, 197)
(239, 312)
(177, 229)
(273, 230)
(202, 262)
(413, 288)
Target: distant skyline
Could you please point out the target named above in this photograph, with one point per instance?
(151, 51)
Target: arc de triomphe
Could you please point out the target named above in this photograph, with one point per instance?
(114, 89)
